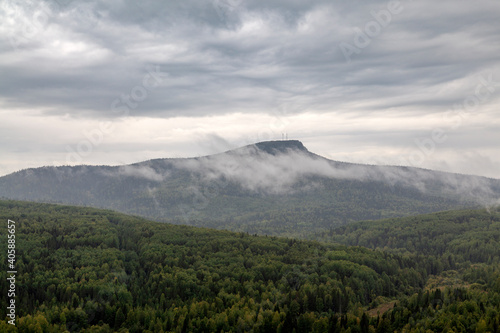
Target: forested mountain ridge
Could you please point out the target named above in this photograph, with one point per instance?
(274, 188)
(91, 270)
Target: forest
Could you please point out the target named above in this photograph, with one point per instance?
(90, 270)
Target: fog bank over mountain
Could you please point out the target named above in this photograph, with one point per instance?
(275, 167)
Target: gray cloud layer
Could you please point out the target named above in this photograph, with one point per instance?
(230, 55)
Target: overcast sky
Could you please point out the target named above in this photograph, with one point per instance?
(381, 82)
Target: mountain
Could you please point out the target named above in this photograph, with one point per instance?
(275, 188)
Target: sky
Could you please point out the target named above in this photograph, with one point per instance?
(405, 82)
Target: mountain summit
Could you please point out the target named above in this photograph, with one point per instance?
(284, 146)
(278, 147)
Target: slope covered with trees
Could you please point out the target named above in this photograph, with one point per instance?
(90, 270)
(463, 236)
(461, 250)
(82, 268)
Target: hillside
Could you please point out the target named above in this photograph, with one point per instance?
(90, 270)
(460, 236)
(84, 268)
(461, 251)
(273, 188)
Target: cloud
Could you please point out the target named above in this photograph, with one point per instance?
(136, 171)
(257, 171)
(140, 172)
(221, 54)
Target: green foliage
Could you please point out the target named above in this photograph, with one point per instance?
(453, 237)
(461, 249)
(90, 270)
(83, 269)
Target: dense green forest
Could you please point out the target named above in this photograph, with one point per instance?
(463, 236)
(90, 270)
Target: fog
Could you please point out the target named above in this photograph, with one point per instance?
(260, 172)
(136, 171)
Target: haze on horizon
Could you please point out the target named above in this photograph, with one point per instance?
(379, 82)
